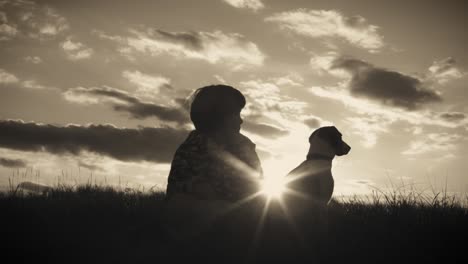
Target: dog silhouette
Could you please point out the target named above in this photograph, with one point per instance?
(313, 179)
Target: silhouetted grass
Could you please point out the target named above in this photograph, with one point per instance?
(99, 224)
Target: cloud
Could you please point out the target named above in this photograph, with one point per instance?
(33, 59)
(7, 78)
(255, 5)
(290, 80)
(188, 39)
(124, 102)
(330, 24)
(368, 127)
(266, 100)
(213, 47)
(259, 89)
(30, 19)
(366, 107)
(31, 84)
(445, 70)
(91, 167)
(264, 130)
(322, 64)
(76, 50)
(7, 32)
(439, 142)
(453, 116)
(148, 85)
(12, 163)
(313, 122)
(385, 86)
(375, 118)
(220, 79)
(125, 144)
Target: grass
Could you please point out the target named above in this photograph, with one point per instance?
(93, 223)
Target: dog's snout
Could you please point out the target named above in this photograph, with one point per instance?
(345, 148)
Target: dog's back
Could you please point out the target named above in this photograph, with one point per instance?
(312, 180)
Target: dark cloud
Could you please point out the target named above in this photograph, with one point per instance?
(134, 106)
(453, 116)
(389, 87)
(312, 122)
(126, 144)
(12, 163)
(190, 39)
(144, 110)
(264, 129)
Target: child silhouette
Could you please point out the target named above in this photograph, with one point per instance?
(215, 162)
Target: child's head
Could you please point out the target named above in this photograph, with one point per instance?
(217, 107)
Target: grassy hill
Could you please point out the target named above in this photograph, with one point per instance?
(96, 224)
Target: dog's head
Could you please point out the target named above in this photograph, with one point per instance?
(333, 138)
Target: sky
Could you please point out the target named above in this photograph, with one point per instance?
(95, 90)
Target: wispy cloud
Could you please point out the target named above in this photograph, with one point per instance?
(91, 167)
(322, 64)
(330, 24)
(148, 85)
(32, 84)
(30, 19)
(254, 5)
(76, 50)
(33, 59)
(6, 77)
(445, 70)
(7, 31)
(369, 127)
(440, 142)
(213, 47)
(10, 78)
(270, 113)
(123, 102)
(267, 100)
(290, 80)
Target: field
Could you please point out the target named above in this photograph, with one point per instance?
(98, 224)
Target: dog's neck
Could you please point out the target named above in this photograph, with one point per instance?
(315, 156)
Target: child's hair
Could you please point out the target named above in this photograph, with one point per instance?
(211, 104)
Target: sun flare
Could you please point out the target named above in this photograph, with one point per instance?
(273, 187)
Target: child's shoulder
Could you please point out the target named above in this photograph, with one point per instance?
(244, 140)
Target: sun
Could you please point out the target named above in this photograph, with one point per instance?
(273, 187)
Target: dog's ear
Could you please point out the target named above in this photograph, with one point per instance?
(314, 134)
